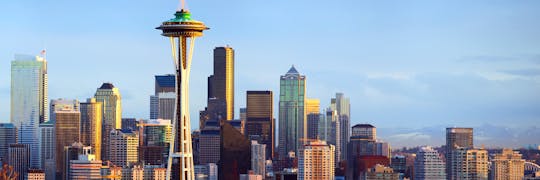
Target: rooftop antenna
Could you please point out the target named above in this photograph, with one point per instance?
(181, 5)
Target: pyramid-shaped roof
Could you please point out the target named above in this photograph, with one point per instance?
(292, 70)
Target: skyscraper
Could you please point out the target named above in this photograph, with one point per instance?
(67, 131)
(29, 103)
(332, 133)
(342, 106)
(508, 165)
(162, 102)
(91, 124)
(316, 161)
(19, 158)
(8, 135)
(260, 119)
(110, 97)
(292, 114)
(313, 118)
(456, 138)
(361, 144)
(428, 165)
(124, 146)
(209, 143)
(63, 104)
(48, 149)
(221, 83)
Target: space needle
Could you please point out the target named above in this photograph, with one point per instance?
(182, 31)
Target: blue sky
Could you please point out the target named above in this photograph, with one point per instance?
(404, 64)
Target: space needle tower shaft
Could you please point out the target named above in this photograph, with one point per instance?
(182, 31)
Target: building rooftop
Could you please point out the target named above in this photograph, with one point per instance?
(106, 86)
(363, 126)
(292, 70)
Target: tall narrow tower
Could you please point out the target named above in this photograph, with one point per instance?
(181, 30)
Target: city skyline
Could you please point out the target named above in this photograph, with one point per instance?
(491, 86)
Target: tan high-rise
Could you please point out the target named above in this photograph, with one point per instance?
(91, 124)
(316, 161)
(469, 164)
(110, 97)
(507, 165)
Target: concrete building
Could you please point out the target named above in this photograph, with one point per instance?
(19, 158)
(36, 174)
(469, 164)
(456, 138)
(380, 172)
(124, 145)
(508, 165)
(251, 176)
(258, 158)
(29, 101)
(47, 146)
(206, 172)
(429, 165)
(316, 161)
(86, 166)
(91, 124)
(292, 114)
(260, 119)
(110, 97)
(8, 135)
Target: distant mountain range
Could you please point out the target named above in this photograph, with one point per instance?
(489, 135)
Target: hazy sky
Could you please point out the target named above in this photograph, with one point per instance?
(404, 64)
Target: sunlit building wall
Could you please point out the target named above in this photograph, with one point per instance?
(110, 97)
(29, 101)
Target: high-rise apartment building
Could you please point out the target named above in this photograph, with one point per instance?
(67, 131)
(260, 119)
(508, 165)
(469, 164)
(429, 165)
(29, 103)
(316, 161)
(110, 97)
(313, 118)
(19, 158)
(8, 135)
(342, 106)
(91, 124)
(124, 146)
(292, 115)
(456, 138)
(47, 146)
(258, 158)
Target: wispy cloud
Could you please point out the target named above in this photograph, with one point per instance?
(523, 72)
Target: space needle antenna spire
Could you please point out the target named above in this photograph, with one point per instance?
(182, 30)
